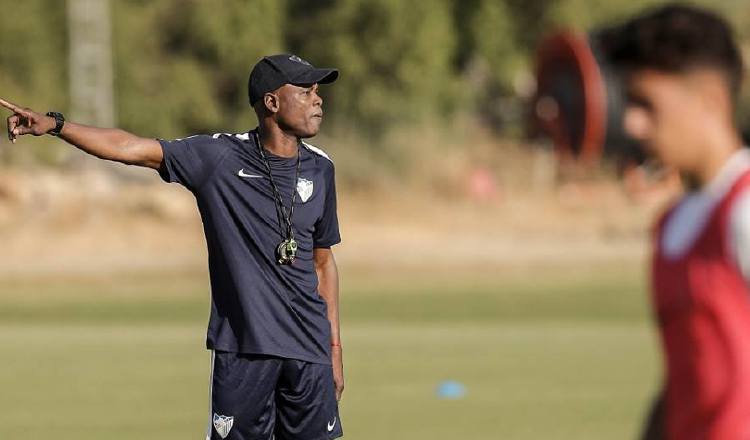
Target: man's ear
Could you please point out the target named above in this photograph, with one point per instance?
(271, 101)
(715, 94)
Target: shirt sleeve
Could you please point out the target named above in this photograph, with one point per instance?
(739, 234)
(190, 161)
(327, 227)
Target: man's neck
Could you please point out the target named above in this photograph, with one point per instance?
(711, 163)
(276, 141)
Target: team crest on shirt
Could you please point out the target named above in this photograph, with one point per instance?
(304, 189)
(223, 424)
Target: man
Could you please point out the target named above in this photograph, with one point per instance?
(268, 204)
(683, 73)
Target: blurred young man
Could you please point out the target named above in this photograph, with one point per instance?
(268, 204)
(683, 71)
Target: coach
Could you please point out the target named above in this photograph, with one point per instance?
(267, 201)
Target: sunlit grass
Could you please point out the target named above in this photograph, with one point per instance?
(560, 355)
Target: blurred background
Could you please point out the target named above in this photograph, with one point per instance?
(487, 293)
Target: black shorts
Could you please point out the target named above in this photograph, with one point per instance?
(256, 397)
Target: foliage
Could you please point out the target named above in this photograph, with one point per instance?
(181, 66)
(395, 56)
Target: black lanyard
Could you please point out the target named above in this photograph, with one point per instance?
(287, 250)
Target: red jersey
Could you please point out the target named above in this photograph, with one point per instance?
(702, 304)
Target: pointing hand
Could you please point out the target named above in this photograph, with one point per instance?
(26, 121)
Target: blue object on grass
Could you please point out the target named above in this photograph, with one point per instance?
(451, 389)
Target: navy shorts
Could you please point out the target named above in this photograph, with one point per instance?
(256, 397)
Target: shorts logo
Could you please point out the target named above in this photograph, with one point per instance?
(297, 59)
(304, 189)
(331, 425)
(223, 425)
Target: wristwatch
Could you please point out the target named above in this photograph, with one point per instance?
(59, 122)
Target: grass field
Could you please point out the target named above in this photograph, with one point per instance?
(544, 354)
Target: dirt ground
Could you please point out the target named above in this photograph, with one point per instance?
(88, 220)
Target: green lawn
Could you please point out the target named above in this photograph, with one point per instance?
(546, 354)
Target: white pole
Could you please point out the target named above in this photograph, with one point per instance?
(90, 62)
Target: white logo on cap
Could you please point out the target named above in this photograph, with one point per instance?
(297, 59)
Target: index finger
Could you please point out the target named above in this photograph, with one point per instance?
(10, 106)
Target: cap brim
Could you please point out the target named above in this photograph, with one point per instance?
(317, 76)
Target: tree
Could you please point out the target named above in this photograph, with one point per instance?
(395, 56)
(182, 65)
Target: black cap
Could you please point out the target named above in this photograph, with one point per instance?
(274, 71)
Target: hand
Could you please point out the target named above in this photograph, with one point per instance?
(337, 360)
(26, 121)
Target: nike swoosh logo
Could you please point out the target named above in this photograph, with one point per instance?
(332, 425)
(252, 176)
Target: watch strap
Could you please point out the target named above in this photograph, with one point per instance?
(59, 123)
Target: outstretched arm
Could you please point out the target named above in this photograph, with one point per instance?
(328, 286)
(105, 143)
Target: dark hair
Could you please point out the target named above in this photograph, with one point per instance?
(674, 39)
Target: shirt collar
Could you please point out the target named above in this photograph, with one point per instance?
(737, 164)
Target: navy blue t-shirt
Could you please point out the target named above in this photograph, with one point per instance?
(257, 305)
